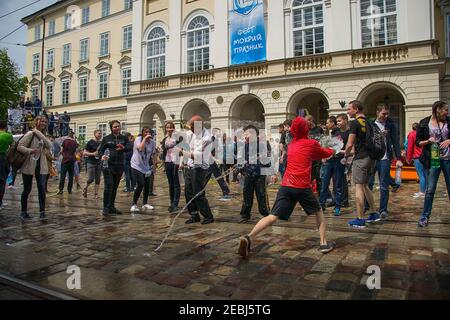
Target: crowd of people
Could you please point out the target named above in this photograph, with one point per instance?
(307, 157)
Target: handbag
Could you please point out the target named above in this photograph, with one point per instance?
(16, 158)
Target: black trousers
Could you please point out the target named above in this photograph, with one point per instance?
(255, 185)
(143, 183)
(224, 168)
(111, 177)
(215, 170)
(196, 180)
(66, 168)
(174, 183)
(27, 185)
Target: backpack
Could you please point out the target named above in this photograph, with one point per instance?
(16, 158)
(375, 140)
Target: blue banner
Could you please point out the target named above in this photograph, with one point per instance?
(248, 32)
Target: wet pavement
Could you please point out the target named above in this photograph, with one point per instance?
(117, 258)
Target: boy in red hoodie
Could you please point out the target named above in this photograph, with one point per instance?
(295, 187)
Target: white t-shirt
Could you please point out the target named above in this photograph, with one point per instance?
(383, 130)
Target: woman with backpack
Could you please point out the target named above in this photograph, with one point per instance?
(33, 145)
(170, 156)
(433, 135)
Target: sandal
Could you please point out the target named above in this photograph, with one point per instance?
(244, 247)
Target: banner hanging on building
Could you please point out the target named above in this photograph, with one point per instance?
(247, 32)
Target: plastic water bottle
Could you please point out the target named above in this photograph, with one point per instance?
(105, 162)
(398, 175)
(181, 177)
(435, 160)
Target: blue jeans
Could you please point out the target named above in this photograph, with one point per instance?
(383, 167)
(432, 180)
(421, 172)
(129, 179)
(333, 168)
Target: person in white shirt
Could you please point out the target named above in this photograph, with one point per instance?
(198, 173)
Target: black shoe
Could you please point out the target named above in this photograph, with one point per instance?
(42, 216)
(395, 188)
(105, 212)
(69, 191)
(193, 219)
(60, 192)
(25, 216)
(172, 209)
(244, 219)
(208, 220)
(152, 194)
(115, 211)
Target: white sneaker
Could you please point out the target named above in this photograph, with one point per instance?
(134, 208)
(419, 195)
(12, 187)
(147, 207)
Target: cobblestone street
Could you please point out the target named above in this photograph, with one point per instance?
(117, 259)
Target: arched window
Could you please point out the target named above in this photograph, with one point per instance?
(378, 22)
(156, 53)
(198, 44)
(307, 26)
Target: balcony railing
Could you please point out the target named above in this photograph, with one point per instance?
(198, 78)
(380, 55)
(247, 71)
(154, 85)
(309, 63)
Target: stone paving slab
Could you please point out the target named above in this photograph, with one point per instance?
(118, 261)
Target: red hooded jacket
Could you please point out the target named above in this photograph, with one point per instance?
(302, 151)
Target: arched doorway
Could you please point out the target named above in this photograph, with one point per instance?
(388, 94)
(153, 117)
(309, 102)
(247, 110)
(196, 107)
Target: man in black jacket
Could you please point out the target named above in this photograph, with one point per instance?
(383, 166)
(113, 166)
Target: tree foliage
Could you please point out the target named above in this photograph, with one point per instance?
(12, 84)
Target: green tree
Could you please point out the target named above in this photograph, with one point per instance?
(11, 84)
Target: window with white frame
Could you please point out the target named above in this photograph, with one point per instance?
(103, 127)
(105, 8)
(66, 54)
(65, 90)
(103, 85)
(85, 15)
(378, 22)
(51, 27)
(84, 49)
(50, 59)
(67, 21)
(36, 62)
(83, 88)
(127, 37)
(126, 80)
(49, 93)
(308, 27)
(37, 32)
(156, 53)
(81, 132)
(34, 92)
(198, 44)
(104, 44)
(128, 4)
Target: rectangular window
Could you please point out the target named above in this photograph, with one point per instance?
(65, 91)
(378, 22)
(128, 4)
(50, 59)
(37, 32)
(126, 37)
(67, 21)
(85, 15)
(49, 94)
(36, 63)
(104, 44)
(103, 127)
(51, 28)
(105, 8)
(81, 132)
(126, 80)
(34, 93)
(103, 85)
(66, 54)
(84, 49)
(83, 85)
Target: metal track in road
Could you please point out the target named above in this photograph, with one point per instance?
(31, 290)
